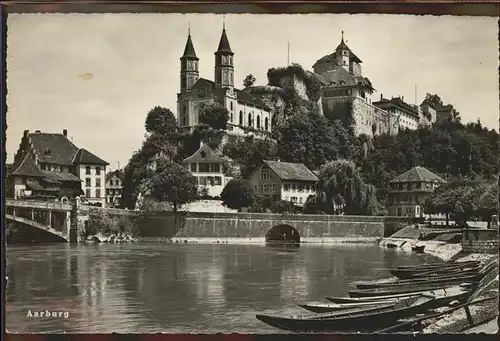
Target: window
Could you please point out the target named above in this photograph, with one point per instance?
(98, 182)
(300, 187)
(231, 106)
(117, 182)
(286, 187)
(87, 182)
(203, 180)
(249, 120)
(214, 167)
(87, 170)
(87, 193)
(300, 200)
(210, 180)
(231, 117)
(204, 167)
(255, 188)
(265, 188)
(98, 193)
(241, 118)
(294, 187)
(258, 122)
(193, 167)
(294, 199)
(399, 211)
(197, 180)
(273, 187)
(264, 174)
(266, 124)
(218, 180)
(98, 171)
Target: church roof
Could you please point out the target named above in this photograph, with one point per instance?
(224, 46)
(189, 51)
(241, 95)
(342, 77)
(418, 174)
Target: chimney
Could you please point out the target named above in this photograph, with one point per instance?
(403, 98)
(381, 96)
(65, 133)
(26, 133)
(38, 131)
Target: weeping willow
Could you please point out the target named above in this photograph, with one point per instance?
(341, 189)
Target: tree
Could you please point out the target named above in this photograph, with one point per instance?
(162, 121)
(249, 152)
(340, 185)
(173, 184)
(214, 115)
(238, 193)
(249, 81)
(307, 138)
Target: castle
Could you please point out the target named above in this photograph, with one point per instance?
(344, 90)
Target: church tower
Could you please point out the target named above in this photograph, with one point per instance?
(343, 54)
(189, 66)
(224, 67)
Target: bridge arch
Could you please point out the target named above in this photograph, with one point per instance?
(283, 233)
(56, 235)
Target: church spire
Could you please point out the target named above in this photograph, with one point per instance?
(189, 52)
(224, 47)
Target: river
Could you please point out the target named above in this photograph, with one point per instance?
(179, 288)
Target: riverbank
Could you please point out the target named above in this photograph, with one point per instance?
(261, 241)
(458, 320)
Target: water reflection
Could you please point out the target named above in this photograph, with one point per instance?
(147, 288)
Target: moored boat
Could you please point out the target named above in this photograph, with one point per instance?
(394, 297)
(418, 248)
(366, 320)
(320, 307)
(410, 289)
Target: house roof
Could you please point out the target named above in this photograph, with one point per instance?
(291, 171)
(342, 77)
(224, 46)
(117, 172)
(34, 185)
(189, 52)
(203, 154)
(27, 167)
(343, 47)
(61, 176)
(241, 95)
(86, 157)
(53, 148)
(417, 174)
(398, 102)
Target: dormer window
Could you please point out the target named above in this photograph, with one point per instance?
(47, 152)
(203, 155)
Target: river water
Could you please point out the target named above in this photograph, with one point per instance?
(179, 288)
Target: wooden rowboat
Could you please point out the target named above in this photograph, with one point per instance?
(367, 320)
(320, 307)
(400, 290)
(342, 300)
(418, 249)
(438, 265)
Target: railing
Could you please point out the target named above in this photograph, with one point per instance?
(55, 206)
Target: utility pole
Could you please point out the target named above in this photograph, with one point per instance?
(288, 53)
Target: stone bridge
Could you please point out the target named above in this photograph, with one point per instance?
(63, 221)
(53, 218)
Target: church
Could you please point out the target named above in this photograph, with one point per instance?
(247, 113)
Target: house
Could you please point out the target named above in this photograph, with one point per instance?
(207, 167)
(50, 165)
(114, 187)
(408, 115)
(409, 190)
(284, 181)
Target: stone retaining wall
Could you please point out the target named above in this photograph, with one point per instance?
(480, 241)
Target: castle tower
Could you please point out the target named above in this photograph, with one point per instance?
(343, 54)
(189, 66)
(224, 67)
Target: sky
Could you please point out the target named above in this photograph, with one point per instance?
(98, 75)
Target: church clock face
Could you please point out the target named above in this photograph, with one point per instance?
(201, 92)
